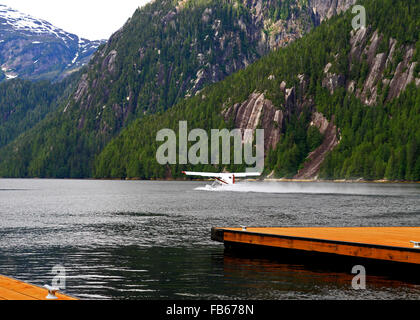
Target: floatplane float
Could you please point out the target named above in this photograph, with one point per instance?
(222, 179)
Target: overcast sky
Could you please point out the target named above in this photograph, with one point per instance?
(91, 19)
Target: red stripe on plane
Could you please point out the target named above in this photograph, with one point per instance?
(221, 180)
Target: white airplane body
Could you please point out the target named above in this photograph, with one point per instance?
(223, 178)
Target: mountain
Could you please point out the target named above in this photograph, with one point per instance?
(337, 104)
(167, 51)
(34, 49)
(24, 103)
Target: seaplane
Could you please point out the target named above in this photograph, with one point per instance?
(222, 178)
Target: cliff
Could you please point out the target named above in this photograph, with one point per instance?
(166, 52)
(389, 69)
(334, 103)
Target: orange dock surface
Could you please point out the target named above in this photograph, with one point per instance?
(378, 243)
(12, 289)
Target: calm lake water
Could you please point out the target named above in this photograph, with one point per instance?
(151, 240)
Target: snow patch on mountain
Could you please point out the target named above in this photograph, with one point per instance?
(23, 22)
(26, 41)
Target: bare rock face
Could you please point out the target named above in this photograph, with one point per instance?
(280, 33)
(370, 90)
(404, 74)
(82, 88)
(358, 41)
(333, 81)
(366, 51)
(319, 121)
(325, 9)
(351, 86)
(317, 157)
(371, 49)
(109, 61)
(260, 112)
(376, 62)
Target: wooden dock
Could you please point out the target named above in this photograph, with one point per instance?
(385, 244)
(12, 289)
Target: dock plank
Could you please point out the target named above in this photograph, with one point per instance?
(12, 289)
(380, 243)
(8, 294)
(383, 236)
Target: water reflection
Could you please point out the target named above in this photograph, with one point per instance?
(273, 279)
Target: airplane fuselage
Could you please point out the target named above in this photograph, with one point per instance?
(226, 179)
(223, 178)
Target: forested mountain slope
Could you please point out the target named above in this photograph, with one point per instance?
(336, 104)
(168, 51)
(24, 103)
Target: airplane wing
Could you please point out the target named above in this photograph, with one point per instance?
(203, 174)
(246, 174)
(220, 175)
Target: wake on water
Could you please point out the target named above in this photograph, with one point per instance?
(305, 187)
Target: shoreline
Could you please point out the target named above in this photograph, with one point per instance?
(382, 181)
